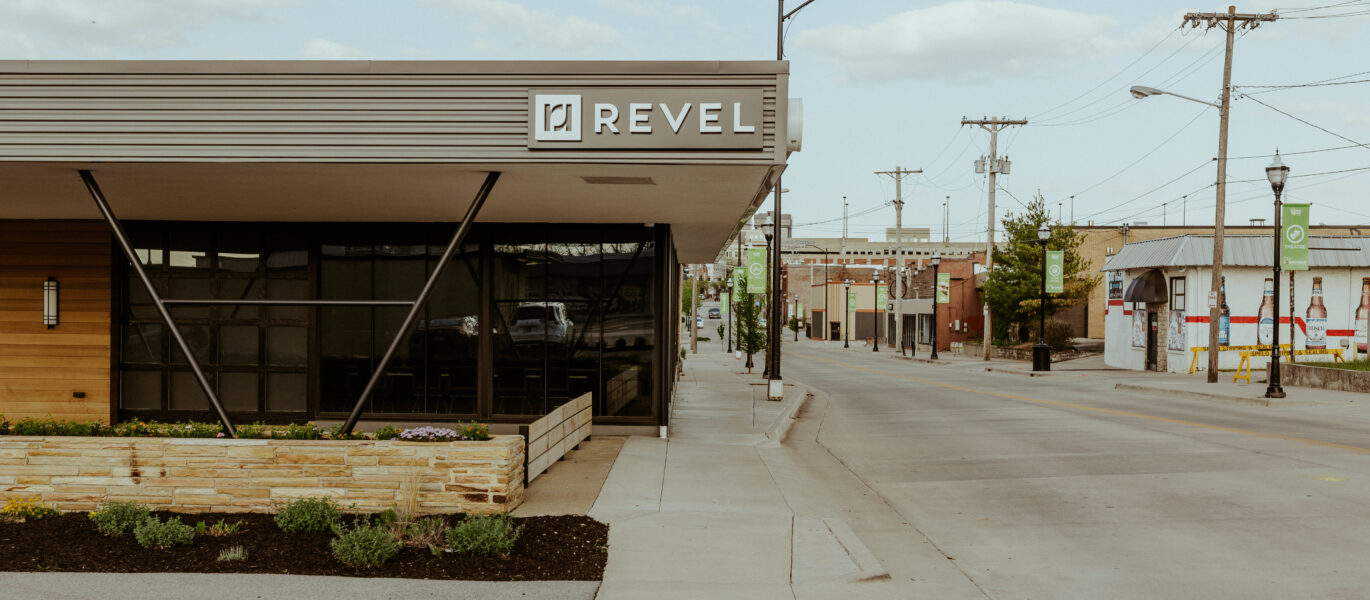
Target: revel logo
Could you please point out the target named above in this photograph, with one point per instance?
(557, 118)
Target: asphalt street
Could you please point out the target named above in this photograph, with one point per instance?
(1063, 487)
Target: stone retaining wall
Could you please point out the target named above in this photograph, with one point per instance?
(1305, 375)
(229, 475)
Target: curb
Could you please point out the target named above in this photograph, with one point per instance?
(867, 565)
(926, 361)
(780, 426)
(1132, 387)
(1023, 373)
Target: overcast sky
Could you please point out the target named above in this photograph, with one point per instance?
(884, 83)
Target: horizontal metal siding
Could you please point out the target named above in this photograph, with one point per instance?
(1238, 251)
(302, 117)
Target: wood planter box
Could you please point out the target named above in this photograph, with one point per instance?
(230, 475)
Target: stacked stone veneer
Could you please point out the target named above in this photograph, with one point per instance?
(226, 475)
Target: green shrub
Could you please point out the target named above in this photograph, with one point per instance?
(364, 545)
(133, 428)
(474, 431)
(1059, 335)
(156, 534)
(116, 517)
(426, 532)
(253, 431)
(188, 429)
(308, 514)
(389, 432)
(219, 529)
(53, 427)
(335, 433)
(5, 425)
(484, 535)
(234, 553)
(297, 432)
(25, 509)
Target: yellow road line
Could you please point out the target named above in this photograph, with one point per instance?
(1121, 413)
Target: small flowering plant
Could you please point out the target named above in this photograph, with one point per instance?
(430, 434)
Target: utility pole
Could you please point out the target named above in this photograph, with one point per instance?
(844, 227)
(994, 166)
(898, 174)
(694, 310)
(946, 214)
(1230, 22)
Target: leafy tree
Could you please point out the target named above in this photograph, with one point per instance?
(1013, 289)
(751, 333)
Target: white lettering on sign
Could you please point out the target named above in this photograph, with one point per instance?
(738, 127)
(705, 117)
(605, 115)
(722, 118)
(677, 120)
(638, 113)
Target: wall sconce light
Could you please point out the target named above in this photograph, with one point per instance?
(50, 302)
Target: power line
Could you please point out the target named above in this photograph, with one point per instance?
(1144, 156)
(1319, 127)
(1111, 77)
(1151, 191)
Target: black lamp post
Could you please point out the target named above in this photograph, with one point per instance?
(796, 316)
(770, 327)
(875, 304)
(730, 308)
(1277, 173)
(1041, 352)
(936, 288)
(846, 315)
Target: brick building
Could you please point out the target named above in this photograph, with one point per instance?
(961, 319)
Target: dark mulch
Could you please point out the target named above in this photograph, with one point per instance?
(548, 548)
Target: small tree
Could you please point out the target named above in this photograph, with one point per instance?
(751, 334)
(1013, 289)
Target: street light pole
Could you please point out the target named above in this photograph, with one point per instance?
(771, 298)
(875, 304)
(1277, 173)
(936, 287)
(1041, 352)
(730, 307)
(846, 315)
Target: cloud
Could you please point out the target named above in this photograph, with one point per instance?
(962, 39)
(321, 49)
(562, 33)
(104, 28)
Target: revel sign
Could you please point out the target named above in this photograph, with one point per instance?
(656, 118)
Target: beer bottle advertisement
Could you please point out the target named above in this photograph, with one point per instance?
(1315, 320)
(1265, 319)
(1225, 317)
(1362, 314)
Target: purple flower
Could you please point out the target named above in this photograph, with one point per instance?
(221, 434)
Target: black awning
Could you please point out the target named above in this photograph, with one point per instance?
(1150, 287)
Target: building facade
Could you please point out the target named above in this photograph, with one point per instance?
(1158, 301)
(289, 216)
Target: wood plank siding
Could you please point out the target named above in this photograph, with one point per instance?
(437, 111)
(41, 368)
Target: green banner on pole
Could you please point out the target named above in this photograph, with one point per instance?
(756, 270)
(799, 311)
(881, 293)
(1056, 271)
(851, 301)
(1294, 237)
(723, 303)
(944, 288)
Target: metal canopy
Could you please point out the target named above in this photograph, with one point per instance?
(1150, 287)
(400, 335)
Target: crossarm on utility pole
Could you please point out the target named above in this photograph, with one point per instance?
(403, 332)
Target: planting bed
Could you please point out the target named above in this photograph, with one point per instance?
(548, 548)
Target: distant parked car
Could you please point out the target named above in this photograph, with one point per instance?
(715, 313)
(699, 321)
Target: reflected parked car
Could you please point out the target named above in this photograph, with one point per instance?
(536, 322)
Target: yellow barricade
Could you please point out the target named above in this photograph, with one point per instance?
(1194, 362)
(1245, 366)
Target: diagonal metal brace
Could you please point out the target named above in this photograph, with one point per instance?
(122, 237)
(422, 300)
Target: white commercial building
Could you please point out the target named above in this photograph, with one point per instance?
(1158, 299)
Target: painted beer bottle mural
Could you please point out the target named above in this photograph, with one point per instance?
(1315, 320)
(1224, 317)
(1265, 319)
(1362, 314)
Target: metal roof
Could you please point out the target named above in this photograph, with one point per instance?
(1238, 251)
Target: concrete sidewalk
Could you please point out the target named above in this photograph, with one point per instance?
(722, 509)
